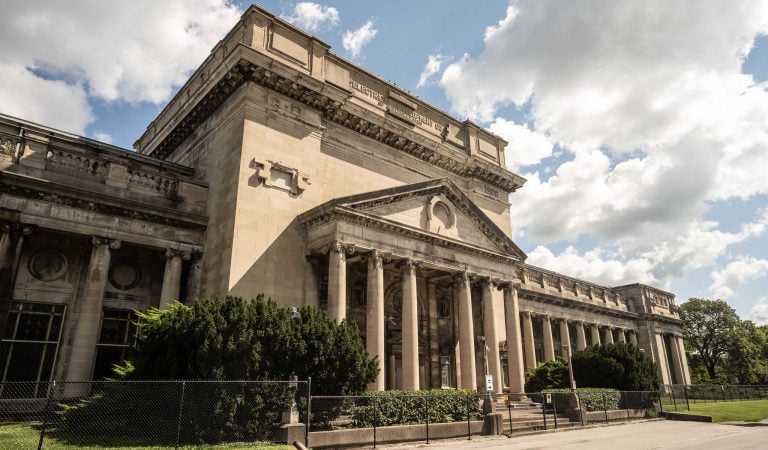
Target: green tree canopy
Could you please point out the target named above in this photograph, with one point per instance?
(236, 339)
(550, 375)
(619, 366)
(709, 329)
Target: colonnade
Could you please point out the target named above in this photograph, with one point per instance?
(90, 303)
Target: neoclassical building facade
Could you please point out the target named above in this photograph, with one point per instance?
(281, 168)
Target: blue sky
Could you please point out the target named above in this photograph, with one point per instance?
(642, 127)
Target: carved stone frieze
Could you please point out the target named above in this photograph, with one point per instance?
(89, 205)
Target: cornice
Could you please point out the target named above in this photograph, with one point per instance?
(88, 201)
(356, 217)
(335, 111)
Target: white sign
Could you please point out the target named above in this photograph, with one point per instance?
(549, 398)
(489, 383)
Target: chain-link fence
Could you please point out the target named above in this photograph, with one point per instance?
(151, 413)
(678, 397)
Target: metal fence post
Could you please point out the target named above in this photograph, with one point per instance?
(469, 427)
(309, 411)
(543, 410)
(661, 407)
(426, 414)
(45, 416)
(554, 409)
(509, 411)
(685, 393)
(672, 395)
(375, 419)
(626, 404)
(181, 409)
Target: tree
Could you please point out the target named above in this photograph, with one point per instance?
(619, 366)
(709, 329)
(550, 375)
(747, 362)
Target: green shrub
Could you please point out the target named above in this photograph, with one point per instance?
(223, 339)
(591, 399)
(550, 375)
(409, 407)
(619, 366)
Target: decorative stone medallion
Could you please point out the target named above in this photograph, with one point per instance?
(124, 275)
(48, 265)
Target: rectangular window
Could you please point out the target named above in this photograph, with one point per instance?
(443, 307)
(118, 333)
(29, 346)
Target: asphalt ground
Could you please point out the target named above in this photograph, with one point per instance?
(660, 434)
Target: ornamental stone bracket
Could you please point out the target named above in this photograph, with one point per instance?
(273, 174)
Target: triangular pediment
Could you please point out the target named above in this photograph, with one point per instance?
(436, 207)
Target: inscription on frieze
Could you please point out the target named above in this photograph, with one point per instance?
(396, 107)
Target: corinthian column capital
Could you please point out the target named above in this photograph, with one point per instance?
(113, 244)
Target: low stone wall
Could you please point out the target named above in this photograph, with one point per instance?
(600, 416)
(687, 417)
(397, 433)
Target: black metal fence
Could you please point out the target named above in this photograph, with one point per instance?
(148, 413)
(678, 397)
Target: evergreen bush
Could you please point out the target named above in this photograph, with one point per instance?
(412, 407)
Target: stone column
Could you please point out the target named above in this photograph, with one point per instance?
(337, 283)
(565, 338)
(622, 335)
(491, 334)
(172, 276)
(466, 333)
(663, 362)
(595, 334)
(683, 360)
(632, 337)
(530, 349)
(677, 366)
(194, 281)
(410, 342)
(11, 242)
(549, 343)
(434, 343)
(514, 343)
(581, 338)
(374, 322)
(88, 308)
(608, 333)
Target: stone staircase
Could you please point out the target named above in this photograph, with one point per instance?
(527, 417)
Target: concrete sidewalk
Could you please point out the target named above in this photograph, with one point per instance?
(646, 435)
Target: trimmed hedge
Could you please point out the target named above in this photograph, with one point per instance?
(591, 399)
(409, 407)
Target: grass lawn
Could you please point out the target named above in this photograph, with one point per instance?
(747, 410)
(24, 436)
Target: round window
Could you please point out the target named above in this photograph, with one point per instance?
(442, 213)
(124, 275)
(48, 265)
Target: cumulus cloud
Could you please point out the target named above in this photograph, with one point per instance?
(759, 312)
(53, 103)
(657, 122)
(131, 51)
(313, 17)
(736, 274)
(355, 40)
(432, 67)
(103, 137)
(525, 147)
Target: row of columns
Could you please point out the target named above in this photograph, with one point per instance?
(565, 339)
(375, 327)
(89, 303)
(677, 372)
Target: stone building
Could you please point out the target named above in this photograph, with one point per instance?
(284, 169)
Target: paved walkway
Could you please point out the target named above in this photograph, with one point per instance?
(646, 435)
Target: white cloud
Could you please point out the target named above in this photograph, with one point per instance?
(103, 137)
(355, 41)
(132, 51)
(648, 101)
(736, 274)
(525, 146)
(52, 103)
(313, 17)
(759, 312)
(433, 66)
